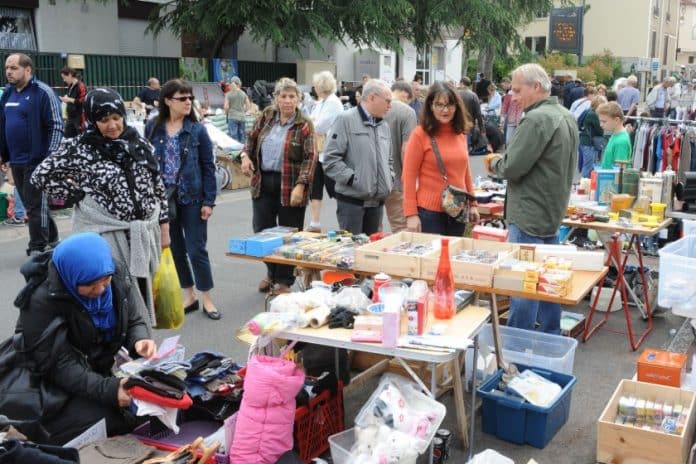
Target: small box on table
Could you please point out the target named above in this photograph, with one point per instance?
(399, 254)
(489, 233)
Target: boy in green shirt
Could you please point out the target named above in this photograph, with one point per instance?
(619, 146)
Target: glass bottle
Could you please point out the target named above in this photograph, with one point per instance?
(444, 284)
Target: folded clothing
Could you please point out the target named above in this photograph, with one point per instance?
(169, 379)
(154, 386)
(140, 393)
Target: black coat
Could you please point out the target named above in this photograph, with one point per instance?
(82, 366)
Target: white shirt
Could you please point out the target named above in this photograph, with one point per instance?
(324, 114)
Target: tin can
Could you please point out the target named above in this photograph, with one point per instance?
(438, 451)
(446, 437)
(379, 280)
(412, 314)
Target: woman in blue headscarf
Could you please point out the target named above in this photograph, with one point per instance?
(97, 302)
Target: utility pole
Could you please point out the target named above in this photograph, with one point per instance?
(582, 33)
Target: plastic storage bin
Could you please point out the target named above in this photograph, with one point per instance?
(531, 348)
(513, 419)
(340, 444)
(676, 289)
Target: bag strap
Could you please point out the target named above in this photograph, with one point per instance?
(48, 331)
(440, 164)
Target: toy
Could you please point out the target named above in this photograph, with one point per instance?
(392, 407)
(379, 444)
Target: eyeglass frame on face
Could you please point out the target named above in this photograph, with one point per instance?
(437, 106)
(183, 98)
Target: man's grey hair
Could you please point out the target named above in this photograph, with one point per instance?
(403, 86)
(236, 81)
(632, 80)
(324, 82)
(377, 87)
(532, 73)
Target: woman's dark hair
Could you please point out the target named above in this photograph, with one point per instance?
(461, 122)
(167, 91)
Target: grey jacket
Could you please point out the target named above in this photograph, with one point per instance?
(402, 120)
(358, 157)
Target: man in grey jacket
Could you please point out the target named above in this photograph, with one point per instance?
(358, 157)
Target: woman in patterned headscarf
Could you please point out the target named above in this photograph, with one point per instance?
(114, 174)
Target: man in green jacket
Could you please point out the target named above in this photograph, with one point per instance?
(539, 165)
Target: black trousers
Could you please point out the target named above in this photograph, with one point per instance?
(42, 228)
(80, 413)
(268, 212)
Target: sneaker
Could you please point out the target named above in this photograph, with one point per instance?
(314, 229)
(13, 221)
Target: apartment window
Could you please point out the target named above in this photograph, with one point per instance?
(653, 43)
(668, 14)
(16, 29)
(536, 45)
(656, 8)
(691, 60)
(664, 51)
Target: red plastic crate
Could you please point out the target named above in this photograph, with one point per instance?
(316, 423)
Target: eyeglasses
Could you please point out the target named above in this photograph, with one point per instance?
(442, 106)
(388, 100)
(183, 99)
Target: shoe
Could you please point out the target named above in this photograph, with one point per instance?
(313, 229)
(214, 315)
(192, 307)
(13, 221)
(265, 285)
(279, 289)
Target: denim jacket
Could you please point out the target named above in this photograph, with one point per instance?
(197, 180)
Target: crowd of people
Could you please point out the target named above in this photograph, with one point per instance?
(383, 148)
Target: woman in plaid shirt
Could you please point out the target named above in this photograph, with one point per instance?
(279, 156)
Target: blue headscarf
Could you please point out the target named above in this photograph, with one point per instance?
(81, 259)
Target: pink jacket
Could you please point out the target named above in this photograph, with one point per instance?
(267, 413)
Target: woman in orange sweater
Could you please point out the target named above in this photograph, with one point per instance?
(444, 119)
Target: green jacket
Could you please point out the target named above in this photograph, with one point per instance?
(539, 165)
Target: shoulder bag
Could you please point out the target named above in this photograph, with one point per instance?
(455, 201)
(23, 393)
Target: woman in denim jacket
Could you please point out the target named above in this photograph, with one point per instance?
(186, 159)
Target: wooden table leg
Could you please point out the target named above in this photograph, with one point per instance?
(496, 334)
(459, 403)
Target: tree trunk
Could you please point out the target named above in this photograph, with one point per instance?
(232, 34)
(485, 61)
(465, 59)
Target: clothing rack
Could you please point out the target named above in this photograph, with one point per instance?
(662, 120)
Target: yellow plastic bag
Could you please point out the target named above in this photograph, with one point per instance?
(169, 305)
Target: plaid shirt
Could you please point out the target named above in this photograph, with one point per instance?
(298, 155)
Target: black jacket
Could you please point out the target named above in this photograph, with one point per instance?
(82, 366)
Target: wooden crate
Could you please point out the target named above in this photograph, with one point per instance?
(374, 257)
(623, 443)
(468, 273)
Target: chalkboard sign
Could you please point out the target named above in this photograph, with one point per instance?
(565, 30)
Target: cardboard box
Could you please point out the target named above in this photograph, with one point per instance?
(490, 233)
(662, 367)
(237, 179)
(468, 273)
(376, 257)
(624, 443)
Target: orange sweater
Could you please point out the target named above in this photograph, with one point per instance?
(421, 178)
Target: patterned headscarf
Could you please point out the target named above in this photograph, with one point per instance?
(103, 102)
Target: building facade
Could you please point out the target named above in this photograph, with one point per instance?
(686, 45)
(83, 27)
(633, 30)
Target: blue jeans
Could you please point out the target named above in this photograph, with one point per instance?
(433, 222)
(587, 160)
(189, 235)
(525, 313)
(236, 130)
(19, 206)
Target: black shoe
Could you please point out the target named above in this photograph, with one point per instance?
(214, 315)
(192, 307)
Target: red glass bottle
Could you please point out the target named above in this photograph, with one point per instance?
(444, 285)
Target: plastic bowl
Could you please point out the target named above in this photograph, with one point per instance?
(393, 294)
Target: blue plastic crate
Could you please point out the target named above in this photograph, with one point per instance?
(512, 419)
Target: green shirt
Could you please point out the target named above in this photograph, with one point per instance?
(539, 166)
(236, 100)
(618, 149)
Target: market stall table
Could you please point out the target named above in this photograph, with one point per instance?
(613, 247)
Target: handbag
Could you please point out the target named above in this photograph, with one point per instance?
(23, 393)
(456, 202)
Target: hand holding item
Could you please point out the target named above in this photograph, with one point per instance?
(413, 223)
(165, 240)
(489, 160)
(297, 195)
(124, 399)
(474, 216)
(247, 165)
(146, 348)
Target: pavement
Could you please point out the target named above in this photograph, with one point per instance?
(599, 364)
